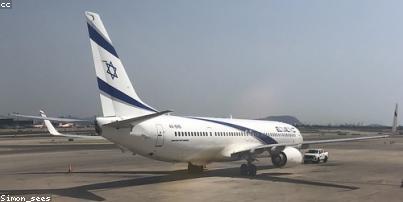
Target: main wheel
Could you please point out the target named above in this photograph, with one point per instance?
(317, 160)
(194, 169)
(252, 170)
(243, 170)
(325, 160)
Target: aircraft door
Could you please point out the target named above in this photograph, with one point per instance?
(160, 136)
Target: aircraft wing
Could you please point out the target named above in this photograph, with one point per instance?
(50, 118)
(304, 145)
(52, 130)
(307, 143)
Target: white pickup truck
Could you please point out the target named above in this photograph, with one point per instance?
(315, 156)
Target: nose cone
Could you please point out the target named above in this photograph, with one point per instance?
(298, 135)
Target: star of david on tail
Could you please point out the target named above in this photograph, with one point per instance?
(110, 66)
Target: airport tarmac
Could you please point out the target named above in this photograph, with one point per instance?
(359, 171)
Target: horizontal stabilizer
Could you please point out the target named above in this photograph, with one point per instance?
(134, 121)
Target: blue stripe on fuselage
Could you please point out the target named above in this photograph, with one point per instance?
(260, 136)
(101, 41)
(115, 93)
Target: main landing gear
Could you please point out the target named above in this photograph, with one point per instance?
(195, 169)
(248, 169)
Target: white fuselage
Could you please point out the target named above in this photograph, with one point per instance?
(199, 140)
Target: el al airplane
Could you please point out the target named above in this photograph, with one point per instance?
(132, 124)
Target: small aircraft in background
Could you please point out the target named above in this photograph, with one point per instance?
(65, 125)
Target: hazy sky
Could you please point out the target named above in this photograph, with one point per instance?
(321, 61)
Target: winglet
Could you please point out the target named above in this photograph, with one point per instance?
(52, 130)
(395, 115)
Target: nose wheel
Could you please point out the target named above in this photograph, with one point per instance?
(248, 169)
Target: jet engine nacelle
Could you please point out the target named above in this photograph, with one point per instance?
(289, 157)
